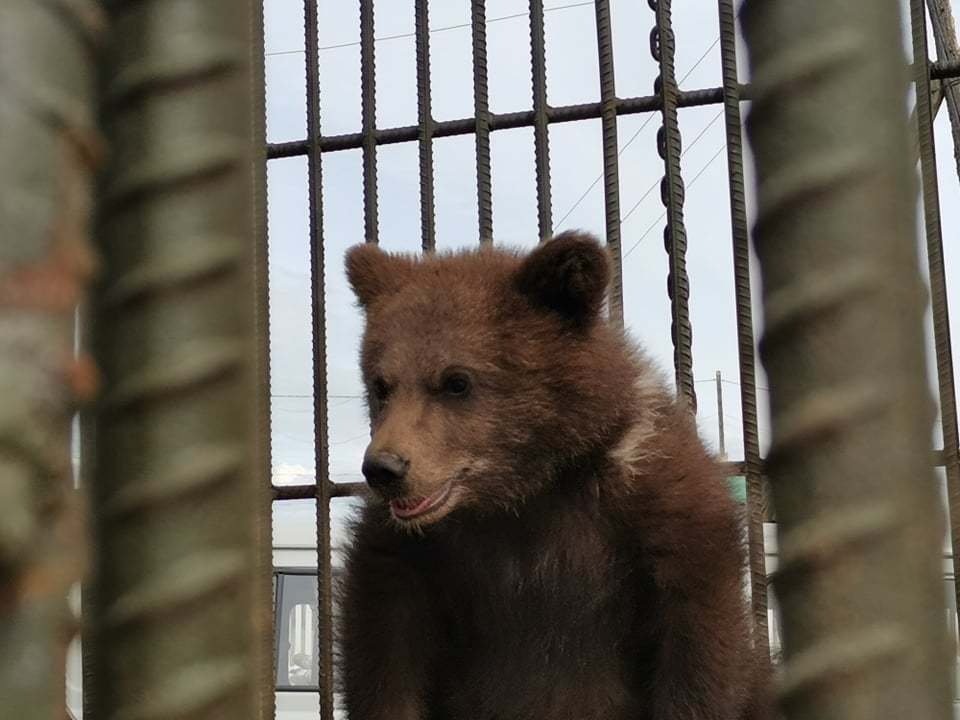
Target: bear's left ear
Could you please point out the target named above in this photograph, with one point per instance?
(568, 275)
(373, 273)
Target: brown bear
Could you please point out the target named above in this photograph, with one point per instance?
(547, 537)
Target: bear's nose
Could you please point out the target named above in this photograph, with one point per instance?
(383, 470)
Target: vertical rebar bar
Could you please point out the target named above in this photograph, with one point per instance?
(663, 49)
(860, 581)
(481, 111)
(174, 607)
(50, 148)
(368, 113)
(938, 280)
(541, 131)
(611, 157)
(263, 517)
(425, 124)
(744, 309)
(318, 315)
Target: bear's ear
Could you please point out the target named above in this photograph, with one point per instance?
(568, 275)
(373, 273)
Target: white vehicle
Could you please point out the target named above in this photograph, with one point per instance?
(295, 594)
(296, 632)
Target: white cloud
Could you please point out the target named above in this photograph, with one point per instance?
(289, 474)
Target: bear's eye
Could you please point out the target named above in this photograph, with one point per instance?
(456, 384)
(381, 391)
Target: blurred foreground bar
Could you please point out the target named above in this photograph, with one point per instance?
(861, 526)
(49, 150)
(173, 608)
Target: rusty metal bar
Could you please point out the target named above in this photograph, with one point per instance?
(318, 314)
(744, 305)
(527, 118)
(357, 489)
(948, 49)
(480, 123)
(860, 580)
(368, 113)
(501, 121)
(541, 134)
(308, 492)
(50, 148)
(945, 70)
(611, 158)
(663, 48)
(938, 281)
(173, 607)
(425, 124)
(263, 527)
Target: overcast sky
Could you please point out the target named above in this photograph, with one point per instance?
(575, 163)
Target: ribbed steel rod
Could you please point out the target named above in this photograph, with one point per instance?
(425, 124)
(611, 159)
(526, 118)
(938, 275)
(319, 322)
(744, 307)
(368, 114)
(663, 49)
(50, 149)
(173, 606)
(541, 133)
(860, 583)
(263, 517)
(355, 489)
(480, 123)
(502, 121)
(945, 70)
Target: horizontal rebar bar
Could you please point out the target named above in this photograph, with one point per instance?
(527, 118)
(309, 492)
(502, 121)
(944, 70)
(356, 489)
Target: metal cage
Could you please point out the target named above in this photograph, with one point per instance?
(176, 450)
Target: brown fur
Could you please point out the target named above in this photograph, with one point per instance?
(587, 562)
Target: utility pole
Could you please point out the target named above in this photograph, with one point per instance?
(723, 449)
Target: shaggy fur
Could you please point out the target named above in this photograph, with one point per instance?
(584, 557)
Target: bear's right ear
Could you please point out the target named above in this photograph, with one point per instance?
(373, 273)
(568, 275)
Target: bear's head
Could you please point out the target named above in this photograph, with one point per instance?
(487, 373)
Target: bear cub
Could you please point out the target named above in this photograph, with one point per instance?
(546, 537)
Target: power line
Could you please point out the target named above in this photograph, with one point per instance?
(306, 410)
(301, 441)
(635, 135)
(758, 387)
(364, 436)
(445, 28)
(729, 382)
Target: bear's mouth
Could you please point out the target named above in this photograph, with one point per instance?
(411, 507)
